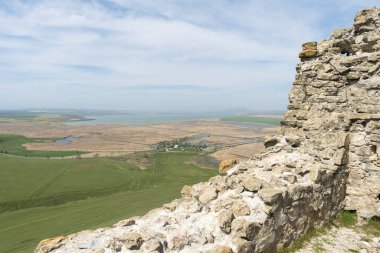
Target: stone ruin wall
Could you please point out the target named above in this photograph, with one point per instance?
(337, 93)
(258, 206)
(325, 160)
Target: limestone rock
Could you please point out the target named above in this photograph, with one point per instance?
(338, 33)
(251, 184)
(132, 240)
(270, 195)
(291, 178)
(207, 195)
(153, 246)
(177, 241)
(293, 141)
(187, 191)
(47, 245)
(309, 49)
(126, 222)
(340, 157)
(226, 165)
(245, 229)
(225, 219)
(219, 249)
(271, 142)
(240, 209)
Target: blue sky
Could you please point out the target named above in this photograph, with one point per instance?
(168, 55)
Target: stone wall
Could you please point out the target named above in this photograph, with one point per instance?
(337, 94)
(326, 159)
(363, 193)
(258, 206)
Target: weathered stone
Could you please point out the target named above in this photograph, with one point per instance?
(86, 245)
(246, 247)
(226, 165)
(126, 222)
(153, 246)
(225, 219)
(308, 54)
(187, 191)
(171, 206)
(309, 49)
(101, 250)
(351, 60)
(168, 220)
(132, 240)
(219, 249)
(310, 45)
(191, 206)
(294, 141)
(362, 18)
(47, 245)
(220, 183)
(270, 195)
(245, 229)
(240, 209)
(115, 245)
(340, 157)
(338, 33)
(207, 195)
(270, 142)
(251, 184)
(291, 178)
(317, 175)
(177, 241)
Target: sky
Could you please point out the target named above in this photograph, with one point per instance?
(164, 55)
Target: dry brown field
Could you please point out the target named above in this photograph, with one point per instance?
(228, 140)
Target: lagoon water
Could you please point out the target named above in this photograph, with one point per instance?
(66, 140)
(143, 119)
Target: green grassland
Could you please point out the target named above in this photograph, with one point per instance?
(42, 198)
(263, 120)
(12, 144)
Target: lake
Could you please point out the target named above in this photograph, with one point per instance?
(143, 119)
(66, 140)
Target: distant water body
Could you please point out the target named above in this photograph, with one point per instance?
(143, 119)
(66, 140)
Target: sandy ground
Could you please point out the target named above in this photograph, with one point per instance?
(111, 140)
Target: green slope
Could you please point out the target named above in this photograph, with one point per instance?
(42, 198)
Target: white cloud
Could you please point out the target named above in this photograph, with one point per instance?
(97, 45)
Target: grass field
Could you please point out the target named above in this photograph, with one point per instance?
(12, 144)
(263, 120)
(42, 198)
